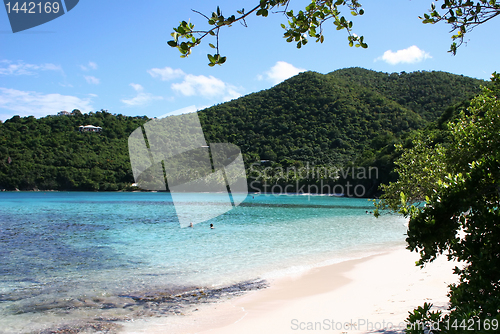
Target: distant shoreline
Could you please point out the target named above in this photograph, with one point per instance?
(163, 191)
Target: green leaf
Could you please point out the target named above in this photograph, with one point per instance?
(172, 43)
(211, 45)
(403, 198)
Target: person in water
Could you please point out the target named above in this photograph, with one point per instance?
(212, 226)
(190, 224)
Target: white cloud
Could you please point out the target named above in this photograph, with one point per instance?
(196, 85)
(92, 80)
(20, 68)
(409, 55)
(90, 66)
(231, 94)
(200, 84)
(142, 98)
(137, 87)
(280, 72)
(26, 103)
(208, 87)
(166, 73)
(185, 110)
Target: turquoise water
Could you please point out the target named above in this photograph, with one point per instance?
(66, 258)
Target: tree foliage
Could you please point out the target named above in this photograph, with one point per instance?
(301, 24)
(459, 180)
(50, 152)
(309, 22)
(349, 117)
(463, 16)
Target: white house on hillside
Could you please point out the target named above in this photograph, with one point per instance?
(89, 128)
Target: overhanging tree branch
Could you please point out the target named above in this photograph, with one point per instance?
(462, 15)
(301, 25)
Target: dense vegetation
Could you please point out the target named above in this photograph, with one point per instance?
(455, 171)
(350, 117)
(426, 93)
(336, 117)
(50, 152)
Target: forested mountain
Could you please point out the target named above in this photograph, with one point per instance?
(349, 117)
(426, 93)
(333, 118)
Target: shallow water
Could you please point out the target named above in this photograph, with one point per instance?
(71, 258)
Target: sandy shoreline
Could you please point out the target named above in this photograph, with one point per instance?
(369, 295)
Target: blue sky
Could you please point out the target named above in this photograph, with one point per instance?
(113, 55)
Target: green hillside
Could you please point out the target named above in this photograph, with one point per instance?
(333, 118)
(347, 118)
(310, 117)
(426, 93)
(350, 117)
(50, 152)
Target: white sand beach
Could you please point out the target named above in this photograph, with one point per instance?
(368, 295)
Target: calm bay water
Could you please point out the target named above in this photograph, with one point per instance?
(67, 259)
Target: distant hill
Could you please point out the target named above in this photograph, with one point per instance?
(426, 93)
(334, 118)
(349, 117)
(51, 152)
